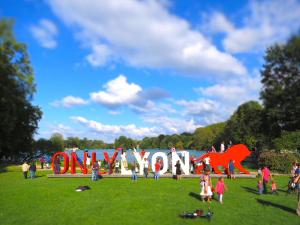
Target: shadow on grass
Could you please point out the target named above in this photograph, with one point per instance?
(195, 195)
(275, 205)
(251, 190)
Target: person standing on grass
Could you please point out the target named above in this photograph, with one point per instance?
(42, 161)
(95, 171)
(220, 189)
(117, 166)
(156, 169)
(266, 175)
(32, 170)
(297, 182)
(178, 170)
(231, 169)
(146, 167)
(25, 168)
(134, 171)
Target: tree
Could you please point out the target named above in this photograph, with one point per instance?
(57, 142)
(18, 117)
(281, 88)
(244, 126)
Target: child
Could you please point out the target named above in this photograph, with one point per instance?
(260, 187)
(220, 188)
(95, 171)
(206, 185)
(274, 187)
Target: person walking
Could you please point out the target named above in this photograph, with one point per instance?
(25, 168)
(266, 176)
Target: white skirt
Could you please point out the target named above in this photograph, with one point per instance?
(209, 192)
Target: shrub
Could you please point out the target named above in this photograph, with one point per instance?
(288, 141)
(276, 161)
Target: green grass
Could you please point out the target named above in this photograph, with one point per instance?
(120, 201)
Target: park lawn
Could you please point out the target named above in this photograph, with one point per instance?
(121, 201)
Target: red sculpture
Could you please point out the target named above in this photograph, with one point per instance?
(74, 161)
(66, 162)
(112, 160)
(237, 153)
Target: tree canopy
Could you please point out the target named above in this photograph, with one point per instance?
(18, 117)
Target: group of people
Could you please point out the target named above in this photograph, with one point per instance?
(31, 168)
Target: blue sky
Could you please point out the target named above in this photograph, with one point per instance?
(142, 68)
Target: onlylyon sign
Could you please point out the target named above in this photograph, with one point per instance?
(237, 153)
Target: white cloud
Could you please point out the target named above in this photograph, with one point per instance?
(117, 92)
(45, 33)
(114, 131)
(144, 34)
(69, 101)
(201, 107)
(268, 22)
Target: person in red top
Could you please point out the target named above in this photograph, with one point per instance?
(157, 169)
(266, 175)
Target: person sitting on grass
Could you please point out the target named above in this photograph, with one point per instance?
(220, 189)
(32, 170)
(274, 187)
(260, 187)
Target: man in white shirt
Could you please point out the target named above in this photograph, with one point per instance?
(25, 168)
(146, 167)
(206, 163)
(222, 147)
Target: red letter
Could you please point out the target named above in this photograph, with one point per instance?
(66, 162)
(112, 160)
(74, 160)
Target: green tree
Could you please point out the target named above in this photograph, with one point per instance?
(18, 117)
(57, 142)
(281, 88)
(244, 126)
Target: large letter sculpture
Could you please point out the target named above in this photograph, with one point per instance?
(112, 160)
(165, 162)
(237, 153)
(66, 162)
(74, 161)
(140, 160)
(184, 166)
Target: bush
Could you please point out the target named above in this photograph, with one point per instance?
(288, 141)
(280, 162)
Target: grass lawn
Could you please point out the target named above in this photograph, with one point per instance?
(120, 201)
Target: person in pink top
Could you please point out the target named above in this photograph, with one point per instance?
(220, 189)
(274, 187)
(266, 176)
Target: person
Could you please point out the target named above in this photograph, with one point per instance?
(32, 170)
(117, 166)
(178, 170)
(42, 161)
(206, 185)
(266, 175)
(25, 168)
(220, 189)
(213, 150)
(88, 161)
(297, 182)
(142, 153)
(134, 171)
(231, 169)
(294, 168)
(222, 148)
(274, 187)
(95, 171)
(156, 169)
(260, 187)
(146, 167)
(297, 171)
(57, 166)
(124, 160)
(259, 172)
(207, 164)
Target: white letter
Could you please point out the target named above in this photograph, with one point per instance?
(140, 160)
(165, 161)
(184, 166)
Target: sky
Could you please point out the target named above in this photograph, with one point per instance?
(143, 68)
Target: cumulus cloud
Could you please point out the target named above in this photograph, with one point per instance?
(268, 22)
(45, 33)
(69, 101)
(130, 130)
(201, 107)
(143, 34)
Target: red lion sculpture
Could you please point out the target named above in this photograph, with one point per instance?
(237, 153)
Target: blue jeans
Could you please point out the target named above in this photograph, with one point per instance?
(156, 175)
(260, 191)
(94, 176)
(134, 176)
(32, 174)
